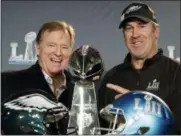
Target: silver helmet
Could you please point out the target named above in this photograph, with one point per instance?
(86, 63)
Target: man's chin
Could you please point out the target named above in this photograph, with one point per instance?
(138, 57)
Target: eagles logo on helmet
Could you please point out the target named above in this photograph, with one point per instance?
(33, 112)
(138, 112)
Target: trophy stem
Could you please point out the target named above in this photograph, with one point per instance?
(83, 113)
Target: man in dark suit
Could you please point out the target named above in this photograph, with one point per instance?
(54, 44)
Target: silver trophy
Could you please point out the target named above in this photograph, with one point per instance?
(86, 66)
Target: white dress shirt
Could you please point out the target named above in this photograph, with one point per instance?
(59, 90)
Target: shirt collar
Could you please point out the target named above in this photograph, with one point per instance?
(50, 80)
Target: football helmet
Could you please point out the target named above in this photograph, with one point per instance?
(32, 112)
(86, 63)
(138, 112)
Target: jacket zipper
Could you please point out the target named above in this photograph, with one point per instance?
(138, 81)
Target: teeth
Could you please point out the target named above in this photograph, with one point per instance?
(136, 43)
(56, 60)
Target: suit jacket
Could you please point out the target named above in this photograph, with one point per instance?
(32, 78)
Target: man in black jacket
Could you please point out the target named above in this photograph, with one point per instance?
(54, 44)
(145, 67)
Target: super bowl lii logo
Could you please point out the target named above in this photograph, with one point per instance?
(29, 56)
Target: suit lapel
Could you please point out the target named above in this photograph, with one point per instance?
(38, 78)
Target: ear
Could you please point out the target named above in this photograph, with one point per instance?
(157, 31)
(37, 49)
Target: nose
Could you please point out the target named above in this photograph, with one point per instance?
(58, 51)
(135, 32)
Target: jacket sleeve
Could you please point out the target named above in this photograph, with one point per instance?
(105, 97)
(175, 100)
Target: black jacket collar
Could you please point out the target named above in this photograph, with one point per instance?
(37, 69)
(147, 63)
(66, 96)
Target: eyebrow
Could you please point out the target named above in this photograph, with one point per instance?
(50, 42)
(58, 44)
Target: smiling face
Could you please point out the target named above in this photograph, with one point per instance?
(141, 38)
(54, 50)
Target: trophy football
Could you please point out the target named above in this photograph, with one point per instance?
(86, 66)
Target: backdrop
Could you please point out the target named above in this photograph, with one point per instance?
(96, 24)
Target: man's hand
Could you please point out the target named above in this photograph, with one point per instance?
(118, 89)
